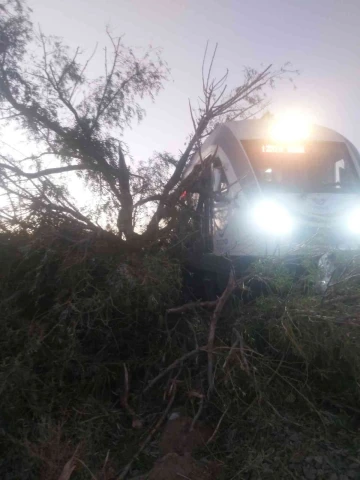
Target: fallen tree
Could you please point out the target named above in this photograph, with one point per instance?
(79, 123)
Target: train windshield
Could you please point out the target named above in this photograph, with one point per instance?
(311, 167)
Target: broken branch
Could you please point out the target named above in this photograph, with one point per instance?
(190, 306)
(136, 422)
(175, 364)
(153, 431)
(215, 317)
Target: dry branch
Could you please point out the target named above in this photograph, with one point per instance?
(175, 364)
(242, 353)
(198, 413)
(192, 305)
(233, 347)
(217, 427)
(124, 401)
(219, 306)
(215, 317)
(69, 467)
(153, 431)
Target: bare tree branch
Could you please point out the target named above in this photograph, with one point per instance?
(213, 323)
(81, 120)
(125, 223)
(45, 172)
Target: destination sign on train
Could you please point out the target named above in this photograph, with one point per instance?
(283, 148)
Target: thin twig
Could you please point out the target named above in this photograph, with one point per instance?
(343, 298)
(190, 306)
(232, 348)
(153, 431)
(310, 404)
(217, 427)
(215, 317)
(70, 466)
(87, 468)
(242, 354)
(175, 364)
(105, 462)
(136, 422)
(198, 413)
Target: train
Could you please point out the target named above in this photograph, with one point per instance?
(278, 189)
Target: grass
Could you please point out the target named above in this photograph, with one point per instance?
(287, 363)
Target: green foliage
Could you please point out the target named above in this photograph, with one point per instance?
(71, 317)
(296, 374)
(75, 310)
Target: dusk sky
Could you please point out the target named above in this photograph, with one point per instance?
(320, 38)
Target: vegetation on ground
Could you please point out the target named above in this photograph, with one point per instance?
(87, 339)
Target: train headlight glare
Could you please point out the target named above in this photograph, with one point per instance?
(353, 221)
(272, 218)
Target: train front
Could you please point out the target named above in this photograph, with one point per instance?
(307, 197)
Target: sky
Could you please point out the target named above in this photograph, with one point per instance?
(319, 37)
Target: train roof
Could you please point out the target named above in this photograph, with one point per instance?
(257, 129)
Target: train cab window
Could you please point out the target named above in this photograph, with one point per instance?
(220, 184)
(312, 167)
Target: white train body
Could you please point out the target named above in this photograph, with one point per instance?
(281, 198)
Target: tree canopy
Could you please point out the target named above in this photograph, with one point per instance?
(80, 122)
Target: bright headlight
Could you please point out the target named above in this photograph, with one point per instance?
(272, 218)
(290, 128)
(353, 221)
